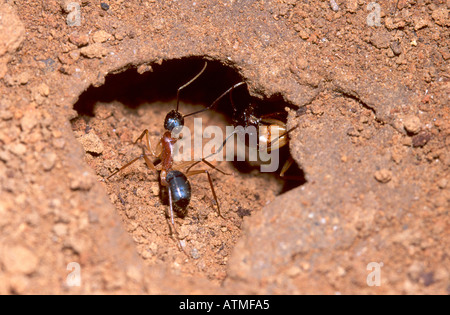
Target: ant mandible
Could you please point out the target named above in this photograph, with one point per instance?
(171, 176)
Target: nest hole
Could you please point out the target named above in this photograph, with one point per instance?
(112, 116)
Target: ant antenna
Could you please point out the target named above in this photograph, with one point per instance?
(217, 99)
(189, 82)
(231, 100)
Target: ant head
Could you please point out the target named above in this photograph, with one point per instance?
(173, 120)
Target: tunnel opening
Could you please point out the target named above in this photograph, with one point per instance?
(112, 116)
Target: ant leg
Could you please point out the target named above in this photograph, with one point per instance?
(189, 82)
(191, 164)
(143, 155)
(216, 101)
(212, 166)
(191, 173)
(286, 166)
(148, 144)
(172, 223)
(231, 100)
(171, 207)
(270, 118)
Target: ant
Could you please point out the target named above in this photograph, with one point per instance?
(171, 176)
(265, 127)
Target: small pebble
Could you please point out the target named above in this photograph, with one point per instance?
(75, 55)
(412, 124)
(396, 48)
(195, 254)
(442, 183)
(351, 5)
(440, 15)
(104, 6)
(48, 160)
(43, 89)
(79, 39)
(155, 189)
(420, 23)
(92, 143)
(293, 271)
(18, 149)
(6, 114)
(60, 229)
(83, 182)
(29, 120)
(101, 36)
(383, 175)
(421, 139)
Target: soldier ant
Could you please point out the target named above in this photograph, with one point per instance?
(171, 176)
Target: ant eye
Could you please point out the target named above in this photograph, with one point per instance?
(173, 120)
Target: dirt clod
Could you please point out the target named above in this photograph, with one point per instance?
(91, 143)
(79, 39)
(383, 175)
(421, 139)
(94, 51)
(412, 124)
(440, 16)
(100, 36)
(19, 259)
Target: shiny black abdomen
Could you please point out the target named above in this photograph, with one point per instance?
(180, 189)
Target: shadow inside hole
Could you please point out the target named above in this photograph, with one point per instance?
(161, 84)
(133, 89)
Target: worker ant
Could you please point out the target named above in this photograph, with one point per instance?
(262, 128)
(172, 176)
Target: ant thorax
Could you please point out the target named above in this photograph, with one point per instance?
(246, 117)
(167, 143)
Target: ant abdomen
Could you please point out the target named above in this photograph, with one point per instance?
(271, 134)
(180, 191)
